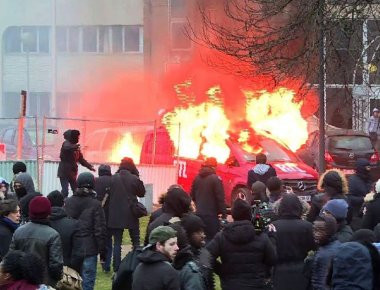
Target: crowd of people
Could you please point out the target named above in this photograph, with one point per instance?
(270, 240)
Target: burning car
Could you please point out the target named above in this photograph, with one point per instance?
(295, 174)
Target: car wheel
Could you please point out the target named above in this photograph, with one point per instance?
(242, 193)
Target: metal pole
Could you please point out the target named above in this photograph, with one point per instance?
(37, 153)
(54, 59)
(322, 92)
(21, 125)
(43, 150)
(154, 142)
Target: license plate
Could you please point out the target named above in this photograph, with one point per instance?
(306, 198)
(348, 171)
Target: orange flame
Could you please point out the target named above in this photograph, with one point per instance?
(125, 147)
(277, 116)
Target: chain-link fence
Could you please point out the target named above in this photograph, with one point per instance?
(105, 141)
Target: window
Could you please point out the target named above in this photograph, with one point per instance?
(117, 39)
(179, 38)
(34, 39)
(11, 104)
(90, 38)
(374, 51)
(132, 38)
(178, 8)
(38, 104)
(61, 39)
(73, 39)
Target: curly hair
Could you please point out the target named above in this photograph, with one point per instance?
(22, 265)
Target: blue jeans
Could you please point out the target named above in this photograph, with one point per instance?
(65, 185)
(89, 272)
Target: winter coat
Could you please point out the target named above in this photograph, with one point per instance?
(245, 256)
(7, 228)
(27, 182)
(318, 201)
(71, 237)
(85, 208)
(261, 172)
(102, 186)
(203, 259)
(125, 189)
(321, 265)
(155, 273)
(70, 155)
(372, 213)
(39, 238)
(352, 268)
(294, 239)
(208, 193)
(190, 273)
(344, 232)
(19, 285)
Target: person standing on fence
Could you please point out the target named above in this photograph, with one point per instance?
(70, 156)
(373, 126)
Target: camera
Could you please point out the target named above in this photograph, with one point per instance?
(262, 215)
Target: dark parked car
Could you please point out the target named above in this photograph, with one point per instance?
(343, 148)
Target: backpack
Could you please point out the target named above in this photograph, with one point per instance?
(124, 275)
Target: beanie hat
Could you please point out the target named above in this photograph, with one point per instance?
(104, 169)
(241, 210)
(86, 179)
(161, 234)
(337, 207)
(19, 167)
(56, 198)
(39, 208)
(192, 224)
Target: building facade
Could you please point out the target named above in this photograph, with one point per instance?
(55, 49)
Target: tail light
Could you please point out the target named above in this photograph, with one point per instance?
(375, 157)
(328, 157)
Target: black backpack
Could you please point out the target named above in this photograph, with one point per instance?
(124, 275)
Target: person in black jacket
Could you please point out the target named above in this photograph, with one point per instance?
(103, 183)
(38, 238)
(9, 222)
(177, 203)
(126, 187)
(207, 193)
(69, 231)
(25, 192)
(246, 257)
(261, 171)
(333, 185)
(84, 207)
(155, 271)
(359, 185)
(372, 210)
(70, 155)
(294, 238)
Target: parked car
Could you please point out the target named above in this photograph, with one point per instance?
(343, 147)
(294, 173)
(9, 137)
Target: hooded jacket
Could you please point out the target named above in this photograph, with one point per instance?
(7, 228)
(125, 189)
(208, 193)
(294, 240)
(352, 268)
(157, 268)
(70, 155)
(27, 182)
(103, 183)
(245, 256)
(83, 207)
(261, 172)
(359, 184)
(71, 237)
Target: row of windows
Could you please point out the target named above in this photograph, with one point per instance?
(97, 39)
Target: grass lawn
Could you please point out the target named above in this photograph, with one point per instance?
(103, 280)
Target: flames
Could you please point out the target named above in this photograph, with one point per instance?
(204, 128)
(125, 147)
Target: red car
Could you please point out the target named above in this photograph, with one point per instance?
(298, 176)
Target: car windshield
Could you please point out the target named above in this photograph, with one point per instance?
(273, 151)
(357, 143)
